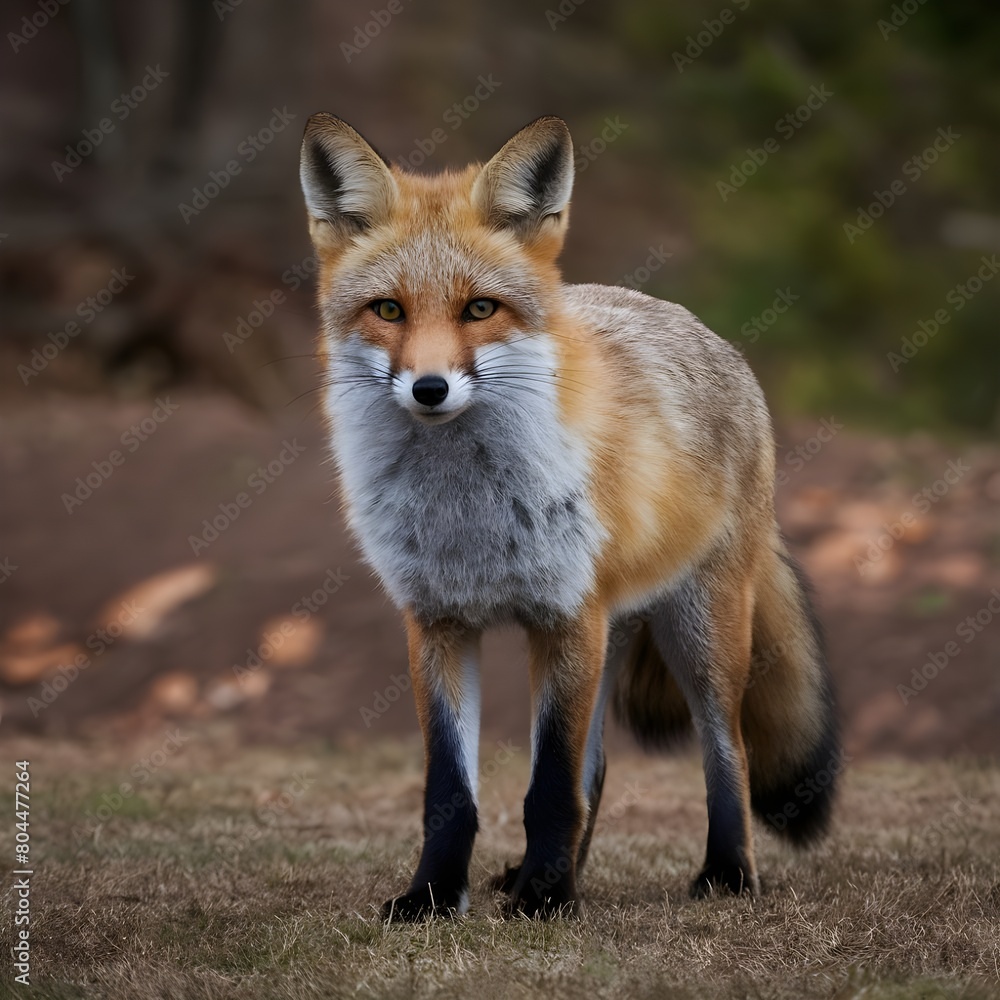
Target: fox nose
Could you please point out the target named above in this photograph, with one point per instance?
(429, 390)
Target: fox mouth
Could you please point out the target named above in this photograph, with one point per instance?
(434, 416)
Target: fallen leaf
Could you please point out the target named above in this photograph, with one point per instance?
(25, 668)
(861, 516)
(176, 691)
(292, 642)
(961, 569)
(883, 570)
(916, 531)
(140, 611)
(34, 632)
(832, 554)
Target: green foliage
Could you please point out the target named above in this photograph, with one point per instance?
(897, 86)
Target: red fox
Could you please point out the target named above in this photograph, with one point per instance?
(585, 461)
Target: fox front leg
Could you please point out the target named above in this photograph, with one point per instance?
(445, 672)
(566, 665)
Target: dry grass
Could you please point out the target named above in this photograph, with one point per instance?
(188, 890)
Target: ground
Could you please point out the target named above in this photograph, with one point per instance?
(212, 692)
(222, 871)
(274, 625)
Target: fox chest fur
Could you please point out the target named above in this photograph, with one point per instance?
(482, 520)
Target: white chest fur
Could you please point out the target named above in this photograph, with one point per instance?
(482, 519)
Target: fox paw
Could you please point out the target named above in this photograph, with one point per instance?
(731, 878)
(536, 896)
(506, 880)
(422, 904)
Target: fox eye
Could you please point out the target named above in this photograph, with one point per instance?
(480, 309)
(388, 309)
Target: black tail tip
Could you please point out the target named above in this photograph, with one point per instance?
(799, 807)
(800, 816)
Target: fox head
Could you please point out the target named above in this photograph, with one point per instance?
(437, 288)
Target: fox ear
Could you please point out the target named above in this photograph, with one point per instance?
(526, 186)
(347, 185)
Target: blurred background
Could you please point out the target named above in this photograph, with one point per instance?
(821, 188)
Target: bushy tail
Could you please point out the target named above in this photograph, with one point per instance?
(647, 699)
(789, 718)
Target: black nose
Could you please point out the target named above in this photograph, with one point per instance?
(430, 390)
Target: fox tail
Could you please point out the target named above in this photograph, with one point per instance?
(788, 716)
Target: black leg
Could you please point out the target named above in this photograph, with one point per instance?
(566, 671)
(553, 823)
(445, 686)
(727, 862)
(710, 665)
(440, 884)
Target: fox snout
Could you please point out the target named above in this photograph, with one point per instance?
(433, 397)
(429, 390)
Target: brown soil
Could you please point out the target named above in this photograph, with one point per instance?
(199, 616)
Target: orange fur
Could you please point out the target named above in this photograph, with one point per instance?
(679, 458)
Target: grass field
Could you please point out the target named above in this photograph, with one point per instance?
(224, 872)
